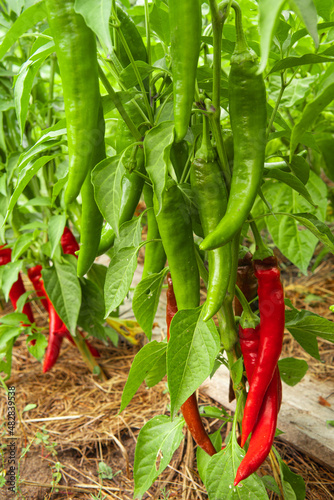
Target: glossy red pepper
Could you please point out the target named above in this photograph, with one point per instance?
(18, 287)
(68, 242)
(271, 306)
(263, 433)
(189, 408)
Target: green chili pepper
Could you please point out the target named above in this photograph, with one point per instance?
(107, 239)
(185, 26)
(91, 218)
(247, 105)
(211, 197)
(132, 37)
(155, 256)
(76, 51)
(175, 228)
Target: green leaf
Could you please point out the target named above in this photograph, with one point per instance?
(317, 227)
(37, 350)
(269, 14)
(157, 441)
(159, 21)
(202, 458)
(289, 478)
(221, 471)
(129, 77)
(25, 80)
(296, 61)
(119, 277)
(107, 180)
(129, 234)
(29, 407)
(295, 243)
(13, 319)
(21, 245)
(311, 111)
(146, 300)
(237, 371)
(307, 323)
(55, 230)
(91, 315)
(23, 23)
(307, 12)
(292, 370)
(149, 356)
(63, 289)
(10, 276)
(290, 180)
(96, 15)
(157, 144)
(191, 353)
(97, 274)
(157, 373)
(26, 174)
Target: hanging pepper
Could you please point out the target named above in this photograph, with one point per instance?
(175, 229)
(271, 306)
(190, 407)
(91, 218)
(211, 198)
(185, 22)
(68, 242)
(247, 107)
(17, 288)
(76, 52)
(155, 256)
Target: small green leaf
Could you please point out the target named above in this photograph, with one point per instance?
(119, 277)
(145, 360)
(191, 353)
(292, 370)
(97, 18)
(21, 245)
(29, 407)
(156, 443)
(157, 144)
(203, 458)
(107, 180)
(55, 230)
(63, 289)
(146, 300)
(10, 276)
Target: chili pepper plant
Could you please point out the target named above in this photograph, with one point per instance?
(219, 116)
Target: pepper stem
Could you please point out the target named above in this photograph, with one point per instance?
(241, 44)
(262, 251)
(248, 318)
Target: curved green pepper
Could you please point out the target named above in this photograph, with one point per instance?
(132, 37)
(76, 52)
(185, 22)
(91, 217)
(247, 105)
(155, 256)
(211, 197)
(175, 229)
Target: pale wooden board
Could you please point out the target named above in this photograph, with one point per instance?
(301, 418)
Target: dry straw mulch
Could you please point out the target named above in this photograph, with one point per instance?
(79, 414)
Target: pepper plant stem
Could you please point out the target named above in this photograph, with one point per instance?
(133, 129)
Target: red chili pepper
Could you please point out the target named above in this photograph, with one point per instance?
(263, 433)
(18, 287)
(189, 408)
(35, 276)
(271, 306)
(69, 243)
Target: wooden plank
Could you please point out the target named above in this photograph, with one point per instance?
(302, 418)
